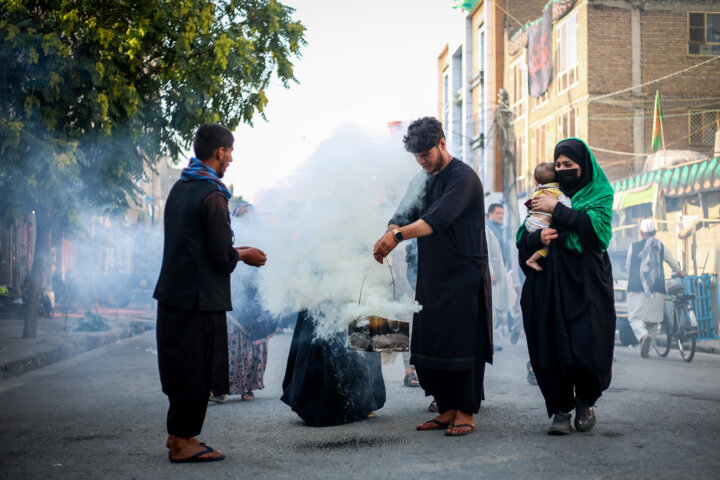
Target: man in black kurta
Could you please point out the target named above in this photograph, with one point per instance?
(193, 291)
(452, 334)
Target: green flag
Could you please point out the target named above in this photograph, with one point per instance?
(657, 123)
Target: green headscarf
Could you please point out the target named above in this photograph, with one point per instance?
(594, 197)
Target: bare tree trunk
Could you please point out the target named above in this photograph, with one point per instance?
(38, 274)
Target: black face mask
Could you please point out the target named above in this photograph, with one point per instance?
(567, 178)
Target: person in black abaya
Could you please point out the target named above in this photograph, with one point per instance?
(325, 383)
(568, 307)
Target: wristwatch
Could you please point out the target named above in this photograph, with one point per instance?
(397, 234)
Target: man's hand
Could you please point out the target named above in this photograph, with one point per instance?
(384, 246)
(493, 278)
(252, 256)
(547, 235)
(543, 203)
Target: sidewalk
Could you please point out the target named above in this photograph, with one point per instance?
(57, 338)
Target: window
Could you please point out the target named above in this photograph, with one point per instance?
(703, 126)
(539, 145)
(567, 124)
(520, 154)
(566, 53)
(539, 101)
(518, 86)
(446, 98)
(481, 51)
(704, 33)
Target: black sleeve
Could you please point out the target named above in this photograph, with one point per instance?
(531, 242)
(458, 193)
(218, 233)
(410, 206)
(578, 222)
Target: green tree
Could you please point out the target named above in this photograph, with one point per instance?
(92, 91)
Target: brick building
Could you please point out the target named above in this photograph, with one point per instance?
(601, 48)
(609, 59)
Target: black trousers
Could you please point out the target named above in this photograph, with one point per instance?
(561, 389)
(192, 359)
(454, 390)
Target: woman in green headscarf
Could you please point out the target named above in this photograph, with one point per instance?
(568, 307)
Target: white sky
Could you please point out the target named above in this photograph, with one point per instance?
(366, 62)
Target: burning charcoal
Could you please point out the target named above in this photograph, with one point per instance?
(358, 341)
(393, 342)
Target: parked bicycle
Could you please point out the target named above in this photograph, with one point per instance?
(679, 321)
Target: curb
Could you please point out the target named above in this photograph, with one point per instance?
(57, 350)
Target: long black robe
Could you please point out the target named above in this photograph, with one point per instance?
(569, 314)
(327, 384)
(453, 331)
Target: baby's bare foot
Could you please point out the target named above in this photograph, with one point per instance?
(534, 265)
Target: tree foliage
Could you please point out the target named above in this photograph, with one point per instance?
(93, 90)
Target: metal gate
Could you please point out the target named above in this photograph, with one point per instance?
(704, 287)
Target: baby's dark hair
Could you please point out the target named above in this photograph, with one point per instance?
(545, 173)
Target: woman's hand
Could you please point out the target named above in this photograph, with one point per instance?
(547, 235)
(543, 203)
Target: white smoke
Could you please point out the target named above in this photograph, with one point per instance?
(319, 228)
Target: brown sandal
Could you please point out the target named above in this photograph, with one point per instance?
(247, 396)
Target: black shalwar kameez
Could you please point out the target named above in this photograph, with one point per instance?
(452, 335)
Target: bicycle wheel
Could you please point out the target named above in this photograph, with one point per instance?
(663, 351)
(687, 334)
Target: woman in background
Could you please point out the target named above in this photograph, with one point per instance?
(249, 329)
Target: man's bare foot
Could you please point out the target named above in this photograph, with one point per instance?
(439, 422)
(185, 448)
(168, 443)
(534, 265)
(462, 424)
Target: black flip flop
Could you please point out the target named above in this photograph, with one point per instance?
(449, 433)
(438, 426)
(198, 457)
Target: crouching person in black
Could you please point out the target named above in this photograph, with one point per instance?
(193, 291)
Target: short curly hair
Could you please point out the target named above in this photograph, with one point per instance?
(423, 134)
(209, 137)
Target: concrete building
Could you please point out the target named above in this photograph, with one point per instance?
(470, 72)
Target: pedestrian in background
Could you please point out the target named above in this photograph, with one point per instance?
(568, 306)
(646, 284)
(193, 291)
(499, 279)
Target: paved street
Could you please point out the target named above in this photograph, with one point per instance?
(101, 415)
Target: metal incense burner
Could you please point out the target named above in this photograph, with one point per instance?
(371, 333)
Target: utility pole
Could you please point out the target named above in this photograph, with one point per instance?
(504, 118)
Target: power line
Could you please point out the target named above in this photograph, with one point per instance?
(665, 77)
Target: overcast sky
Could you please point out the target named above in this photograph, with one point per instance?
(365, 63)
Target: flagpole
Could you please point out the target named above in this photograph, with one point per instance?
(662, 134)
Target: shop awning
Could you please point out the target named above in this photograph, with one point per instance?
(636, 196)
(677, 181)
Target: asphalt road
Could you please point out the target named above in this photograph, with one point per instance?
(101, 415)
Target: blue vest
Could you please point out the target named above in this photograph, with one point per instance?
(634, 282)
